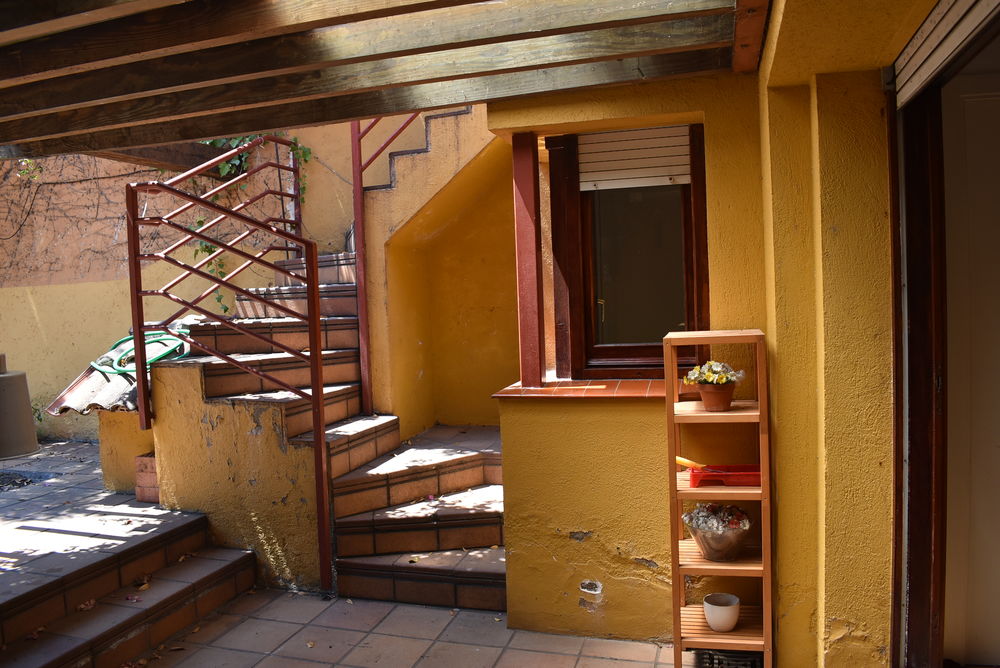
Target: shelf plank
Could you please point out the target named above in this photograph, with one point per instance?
(713, 337)
(743, 410)
(748, 634)
(692, 562)
(714, 492)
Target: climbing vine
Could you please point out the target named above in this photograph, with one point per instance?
(215, 266)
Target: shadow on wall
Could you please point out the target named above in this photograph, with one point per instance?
(453, 299)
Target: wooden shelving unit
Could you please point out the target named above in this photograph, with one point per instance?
(754, 630)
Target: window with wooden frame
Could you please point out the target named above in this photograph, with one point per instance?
(629, 248)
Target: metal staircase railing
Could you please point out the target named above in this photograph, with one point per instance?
(167, 239)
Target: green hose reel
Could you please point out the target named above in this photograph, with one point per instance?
(121, 358)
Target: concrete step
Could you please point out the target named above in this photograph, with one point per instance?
(473, 578)
(222, 378)
(420, 468)
(334, 298)
(333, 268)
(112, 629)
(340, 402)
(356, 441)
(473, 518)
(337, 332)
(128, 540)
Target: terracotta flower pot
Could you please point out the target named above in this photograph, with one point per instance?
(717, 398)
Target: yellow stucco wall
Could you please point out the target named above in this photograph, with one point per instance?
(452, 299)
(121, 441)
(232, 461)
(799, 245)
(632, 519)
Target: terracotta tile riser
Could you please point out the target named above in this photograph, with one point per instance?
(423, 590)
(328, 306)
(299, 420)
(225, 381)
(365, 495)
(335, 337)
(364, 541)
(355, 454)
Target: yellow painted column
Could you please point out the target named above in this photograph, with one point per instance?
(121, 442)
(790, 279)
(854, 253)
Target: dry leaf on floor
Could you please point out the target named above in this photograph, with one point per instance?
(196, 629)
(414, 560)
(350, 602)
(497, 619)
(143, 587)
(310, 644)
(87, 605)
(176, 649)
(493, 547)
(37, 632)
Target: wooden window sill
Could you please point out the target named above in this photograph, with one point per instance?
(588, 389)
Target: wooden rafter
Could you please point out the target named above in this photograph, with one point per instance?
(395, 36)
(22, 21)
(114, 74)
(192, 26)
(385, 102)
(689, 34)
(173, 157)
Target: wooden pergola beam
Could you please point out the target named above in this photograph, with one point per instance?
(383, 102)
(191, 26)
(748, 36)
(687, 34)
(456, 27)
(25, 20)
(172, 157)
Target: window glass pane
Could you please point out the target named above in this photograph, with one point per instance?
(638, 263)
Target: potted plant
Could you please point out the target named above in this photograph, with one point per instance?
(719, 530)
(716, 382)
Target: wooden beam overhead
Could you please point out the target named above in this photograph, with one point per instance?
(191, 26)
(748, 37)
(685, 34)
(454, 27)
(172, 157)
(384, 102)
(26, 20)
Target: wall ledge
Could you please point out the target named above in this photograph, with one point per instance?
(588, 389)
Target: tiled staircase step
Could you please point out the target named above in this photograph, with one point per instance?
(138, 616)
(222, 378)
(356, 441)
(51, 587)
(339, 401)
(419, 469)
(337, 332)
(334, 299)
(473, 518)
(333, 268)
(473, 578)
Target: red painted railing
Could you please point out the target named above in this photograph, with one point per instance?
(166, 238)
(360, 163)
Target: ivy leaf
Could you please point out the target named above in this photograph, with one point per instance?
(224, 168)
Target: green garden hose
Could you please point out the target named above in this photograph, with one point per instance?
(123, 361)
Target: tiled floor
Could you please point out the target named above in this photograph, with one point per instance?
(57, 524)
(272, 629)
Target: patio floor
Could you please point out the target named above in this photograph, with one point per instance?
(272, 629)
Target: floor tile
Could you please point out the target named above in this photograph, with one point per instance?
(478, 628)
(257, 635)
(319, 643)
(452, 655)
(519, 658)
(355, 614)
(251, 601)
(597, 662)
(299, 608)
(416, 621)
(547, 642)
(285, 662)
(217, 657)
(211, 628)
(619, 649)
(379, 650)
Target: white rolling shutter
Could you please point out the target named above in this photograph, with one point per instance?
(635, 158)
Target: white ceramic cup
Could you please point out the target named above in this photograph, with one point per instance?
(722, 611)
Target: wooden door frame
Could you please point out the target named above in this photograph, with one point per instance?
(920, 324)
(921, 387)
